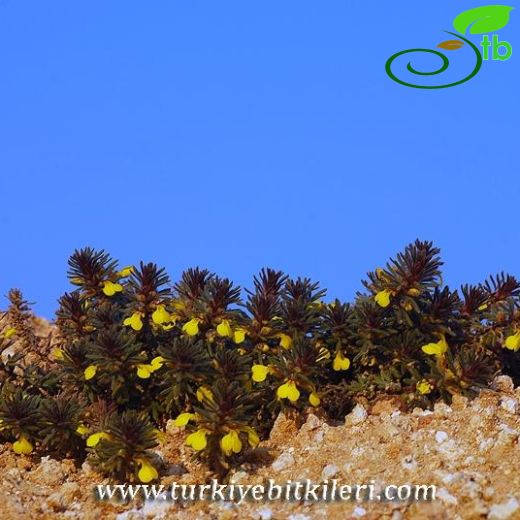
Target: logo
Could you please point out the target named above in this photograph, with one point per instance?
(479, 21)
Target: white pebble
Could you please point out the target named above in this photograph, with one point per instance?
(441, 436)
(357, 415)
(503, 511)
(329, 471)
(283, 461)
(509, 404)
(409, 463)
(446, 496)
(264, 514)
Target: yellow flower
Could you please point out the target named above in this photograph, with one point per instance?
(93, 440)
(252, 436)
(9, 333)
(57, 354)
(239, 335)
(436, 349)
(285, 341)
(111, 288)
(147, 472)
(168, 326)
(340, 362)
(204, 392)
(191, 328)
(513, 342)
(161, 436)
(224, 329)
(413, 291)
(144, 371)
(259, 373)
(380, 273)
(424, 387)
(382, 298)
(157, 362)
(314, 399)
(264, 347)
(288, 390)
(183, 419)
(135, 321)
(231, 443)
(160, 315)
(126, 271)
(197, 440)
(82, 429)
(483, 307)
(90, 372)
(22, 446)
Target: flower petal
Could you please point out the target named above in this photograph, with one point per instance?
(191, 328)
(143, 371)
(197, 440)
(239, 335)
(285, 341)
(147, 472)
(183, 419)
(224, 329)
(314, 399)
(22, 446)
(93, 440)
(382, 298)
(259, 373)
(90, 372)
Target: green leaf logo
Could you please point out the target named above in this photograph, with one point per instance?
(485, 19)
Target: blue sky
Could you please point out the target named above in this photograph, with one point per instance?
(235, 135)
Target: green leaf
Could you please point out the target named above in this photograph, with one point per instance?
(485, 19)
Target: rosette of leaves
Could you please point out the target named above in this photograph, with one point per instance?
(122, 449)
(72, 317)
(301, 308)
(71, 360)
(405, 279)
(291, 374)
(231, 365)
(115, 359)
(496, 320)
(218, 305)
(220, 425)
(263, 304)
(91, 271)
(190, 289)
(187, 366)
(147, 290)
(61, 426)
(20, 418)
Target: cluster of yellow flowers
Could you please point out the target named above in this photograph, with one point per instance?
(230, 441)
(147, 471)
(286, 357)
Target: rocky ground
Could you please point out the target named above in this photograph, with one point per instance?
(469, 450)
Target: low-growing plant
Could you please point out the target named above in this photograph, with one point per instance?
(133, 351)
